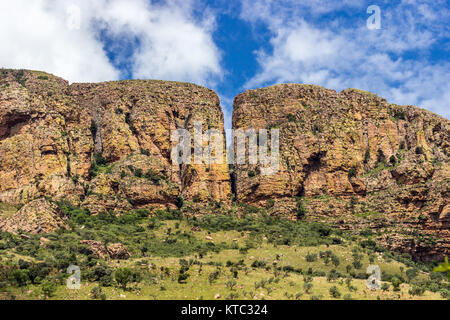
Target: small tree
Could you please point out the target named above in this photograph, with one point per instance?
(291, 117)
(97, 293)
(48, 287)
(335, 260)
(385, 286)
(357, 264)
(348, 268)
(183, 275)
(416, 290)
(332, 275)
(311, 257)
(396, 282)
(301, 210)
(123, 276)
(20, 277)
(212, 277)
(334, 292)
(307, 286)
(411, 273)
(231, 284)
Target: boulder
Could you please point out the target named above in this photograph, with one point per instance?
(118, 251)
(114, 250)
(36, 217)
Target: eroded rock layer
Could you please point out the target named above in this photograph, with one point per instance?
(103, 146)
(350, 159)
(355, 160)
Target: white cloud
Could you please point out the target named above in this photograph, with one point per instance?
(173, 43)
(306, 50)
(35, 36)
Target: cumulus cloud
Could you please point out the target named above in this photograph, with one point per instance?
(35, 35)
(174, 45)
(167, 40)
(392, 62)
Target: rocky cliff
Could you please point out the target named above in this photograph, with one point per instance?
(350, 159)
(103, 146)
(354, 160)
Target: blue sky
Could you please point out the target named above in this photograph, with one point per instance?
(231, 46)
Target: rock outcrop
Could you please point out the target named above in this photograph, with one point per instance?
(354, 160)
(38, 216)
(115, 251)
(118, 251)
(103, 146)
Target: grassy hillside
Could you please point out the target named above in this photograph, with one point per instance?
(210, 257)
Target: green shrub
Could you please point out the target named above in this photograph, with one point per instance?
(307, 286)
(367, 156)
(212, 277)
(416, 290)
(445, 293)
(381, 158)
(138, 173)
(291, 117)
(153, 176)
(399, 114)
(357, 264)
(123, 276)
(19, 75)
(231, 284)
(97, 293)
(99, 159)
(412, 273)
(48, 288)
(396, 282)
(94, 129)
(101, 274)
(335, 260)
(332, 275)
(419, 150)
(301, 210)
(183, 277)
(352, 172)
(334, 292)
(180, 202)
(20, 277)
(311, 257)
(258, 264)
(393, 160)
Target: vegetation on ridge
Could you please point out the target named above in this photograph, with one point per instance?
(177, 256)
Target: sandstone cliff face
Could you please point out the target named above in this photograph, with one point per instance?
(103, 146)
(350, 158)
(354, 160)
